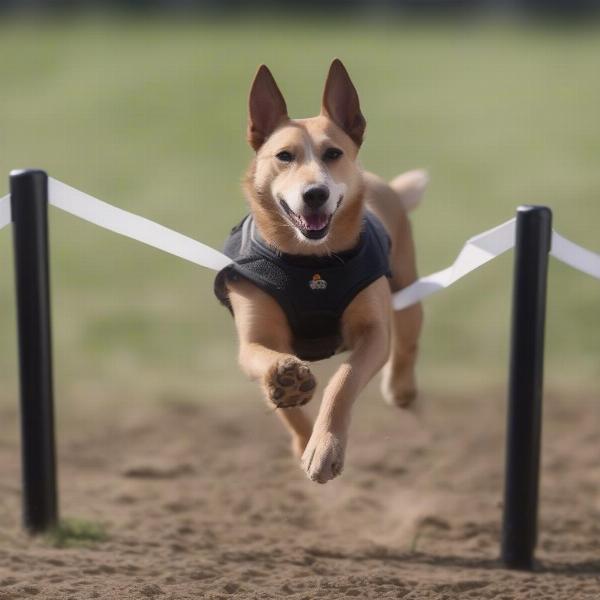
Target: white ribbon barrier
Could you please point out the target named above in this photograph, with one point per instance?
(5, 217)
(105, 215)
(484, 247)
(476, 251)
(575, 256)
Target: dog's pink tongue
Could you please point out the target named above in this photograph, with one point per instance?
(315, 222)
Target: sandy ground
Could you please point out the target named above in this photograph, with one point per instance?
(204, 501)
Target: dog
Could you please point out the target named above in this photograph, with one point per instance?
(316, 262)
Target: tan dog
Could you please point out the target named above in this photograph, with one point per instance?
(308, 197)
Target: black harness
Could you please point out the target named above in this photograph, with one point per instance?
(313, 291)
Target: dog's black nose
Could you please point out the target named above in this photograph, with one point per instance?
(316, 195)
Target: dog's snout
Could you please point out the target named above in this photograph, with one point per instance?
(316, 195)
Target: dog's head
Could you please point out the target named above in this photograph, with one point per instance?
(304, 185)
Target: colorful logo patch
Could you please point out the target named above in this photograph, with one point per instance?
(316, 283)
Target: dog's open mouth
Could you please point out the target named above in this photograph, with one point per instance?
(314, 227)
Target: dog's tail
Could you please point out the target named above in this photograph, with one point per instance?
(410, 187)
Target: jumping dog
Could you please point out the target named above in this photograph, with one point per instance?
(316, 261)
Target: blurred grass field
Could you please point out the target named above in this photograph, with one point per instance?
(150, 116)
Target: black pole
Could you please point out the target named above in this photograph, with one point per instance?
(532, 245)
(29, 203)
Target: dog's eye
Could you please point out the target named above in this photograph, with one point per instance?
(332, 154)
(284, 156)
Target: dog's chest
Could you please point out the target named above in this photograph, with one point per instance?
(312, 291)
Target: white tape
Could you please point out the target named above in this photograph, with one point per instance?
(575, 256)
(105, 215)
(476, 251)
(484, 247)
(5, 216)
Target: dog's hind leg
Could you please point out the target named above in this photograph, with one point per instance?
(390, 202)
(398, 384)
(265, 356)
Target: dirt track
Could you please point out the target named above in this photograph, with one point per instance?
(205, 502)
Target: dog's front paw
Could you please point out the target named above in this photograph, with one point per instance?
(290, 383)
(323, 458)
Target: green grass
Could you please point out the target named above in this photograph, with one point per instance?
(150, 116)
(73, 533)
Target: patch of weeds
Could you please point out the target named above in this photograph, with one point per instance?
(73, 533)
(415, 540)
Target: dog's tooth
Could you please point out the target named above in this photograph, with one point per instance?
(315, 222)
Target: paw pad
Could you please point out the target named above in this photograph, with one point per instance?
(290, 383)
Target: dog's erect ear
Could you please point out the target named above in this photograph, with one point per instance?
(266, 108)
(340, 102)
